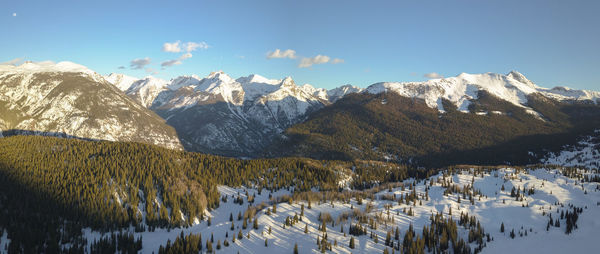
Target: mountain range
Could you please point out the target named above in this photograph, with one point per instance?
(255, 116)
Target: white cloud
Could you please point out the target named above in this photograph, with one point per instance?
(139, 63)
(170, 63)
(15, 62)
(432, 75)
(176, 47)
(288, 53)
(192, 46)
(14, 14)
(310, 61)
(172, 47)
(337, 61)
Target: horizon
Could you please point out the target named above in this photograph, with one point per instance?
(201, 76)
(325, 45)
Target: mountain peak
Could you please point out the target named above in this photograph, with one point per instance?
(47, 66)
(519, 77)
(121, 81)
(288, 81)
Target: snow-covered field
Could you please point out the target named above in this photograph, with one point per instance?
(552, 192)
(584, 154)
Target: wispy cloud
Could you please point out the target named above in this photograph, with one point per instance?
(337, 61)
(177, 61)
(121, 67)
(151, 71)
(277, 53)
(193, 46)
(185, 56)
(15, 62)
(14, 14)
(432, 75)
(139, 63)
(170, 63)
(176, 47)
(310, 61)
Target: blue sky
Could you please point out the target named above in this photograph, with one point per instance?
(551, 42)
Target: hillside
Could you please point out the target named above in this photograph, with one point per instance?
(391, 126)
(49, 185)
(68, 100)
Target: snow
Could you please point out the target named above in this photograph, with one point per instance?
(491, 209)
(584, 154)
(147, 89)
(121, 81)
(46, 66)
(337, 93)
(513, 87)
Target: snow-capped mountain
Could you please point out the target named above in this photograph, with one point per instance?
(146, 90)
(121, 81)
(222, 115)
(337, 93)
(513, 87)
(68, 99)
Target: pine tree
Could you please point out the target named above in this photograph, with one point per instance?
(502, 227)
(388, 238)
(209, 247)
(296, 248)
(351, 245)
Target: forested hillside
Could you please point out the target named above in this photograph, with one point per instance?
(387, 126)
(51, 188)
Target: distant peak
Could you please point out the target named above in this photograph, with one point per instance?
(220, 75)
(288, 81)
(254, 78)
(519, 77)
(48, 66)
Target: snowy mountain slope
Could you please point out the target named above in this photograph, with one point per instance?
(337, 93)
(491, 206)
(460, 90)
(146, 90)
(69, 99)
(219, 114)
(586, 153)
(121, 81)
